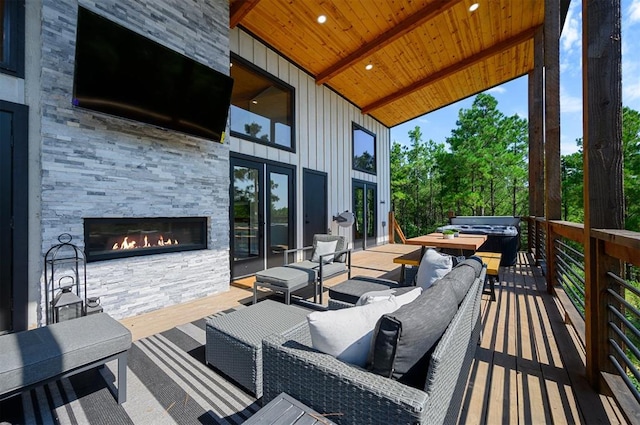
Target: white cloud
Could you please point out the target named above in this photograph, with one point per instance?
(569, 103)
(570, 38)
(567, 146)
(630, 93)
(496, 89)
(634, 11)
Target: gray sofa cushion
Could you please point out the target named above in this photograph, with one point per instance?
(462, 276)
(403, 340)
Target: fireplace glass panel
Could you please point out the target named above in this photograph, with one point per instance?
(109, 238)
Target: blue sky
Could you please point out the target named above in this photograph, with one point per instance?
(512, 96)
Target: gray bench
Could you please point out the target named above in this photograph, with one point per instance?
(234, 341)
(35, 357)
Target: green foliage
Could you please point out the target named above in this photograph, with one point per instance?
(631, 152)
(483, 173)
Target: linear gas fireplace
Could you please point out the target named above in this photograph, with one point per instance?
(109, 238)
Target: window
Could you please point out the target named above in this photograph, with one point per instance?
(261, 107)
(12, 42)
(364, 150)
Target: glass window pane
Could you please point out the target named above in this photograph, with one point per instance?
(359, 212)
(279, 205)
(261, 107)
(245, 212)
(371, 205)
(364, 150)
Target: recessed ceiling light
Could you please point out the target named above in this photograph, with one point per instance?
(369, 67)
(474, 7)
(322, 19)
(255, 102)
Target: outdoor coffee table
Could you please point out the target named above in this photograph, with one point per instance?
(234, 341)
(286, 410)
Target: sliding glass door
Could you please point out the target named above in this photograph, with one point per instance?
(262, 214)
(364, 208)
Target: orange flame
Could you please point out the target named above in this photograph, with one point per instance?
(126, 244)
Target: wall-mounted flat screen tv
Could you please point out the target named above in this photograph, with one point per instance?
(122, 73)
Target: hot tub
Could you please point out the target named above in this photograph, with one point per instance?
(502, 238)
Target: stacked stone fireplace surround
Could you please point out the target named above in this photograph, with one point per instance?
(95, 165)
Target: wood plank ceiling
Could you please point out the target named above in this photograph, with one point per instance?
(426, 54)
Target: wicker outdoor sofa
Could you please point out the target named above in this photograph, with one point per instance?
(354, 395)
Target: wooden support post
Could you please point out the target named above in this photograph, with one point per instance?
(536, 127)
(552, 177)
(603, 184)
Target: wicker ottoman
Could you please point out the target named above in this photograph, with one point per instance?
(234, 341)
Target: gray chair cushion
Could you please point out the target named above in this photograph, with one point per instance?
(461, 277)
(403, 340)
(328, 270)
(32, 356)
(286, 277)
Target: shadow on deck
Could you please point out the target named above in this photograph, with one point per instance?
(528, 367)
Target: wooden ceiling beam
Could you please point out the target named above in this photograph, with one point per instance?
(386, 38)
(239, 10)
(454, 68)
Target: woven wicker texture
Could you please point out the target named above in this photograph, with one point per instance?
(234, 341)
(331, 386)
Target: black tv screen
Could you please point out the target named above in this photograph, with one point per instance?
(122, 73)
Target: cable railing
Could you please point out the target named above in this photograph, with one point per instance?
(606, 296)
(570, 272)
(624, 335)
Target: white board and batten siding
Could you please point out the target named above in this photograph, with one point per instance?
(323, 137)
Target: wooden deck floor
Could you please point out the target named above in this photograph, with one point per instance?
(528, 368)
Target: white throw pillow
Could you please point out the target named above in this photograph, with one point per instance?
(346, 333)
(433, 266)
(374, 296)
(407, 297)
(322, 248)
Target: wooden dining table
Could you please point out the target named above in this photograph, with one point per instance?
(464, 242)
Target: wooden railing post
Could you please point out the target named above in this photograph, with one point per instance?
(392, 222)
(596, 314)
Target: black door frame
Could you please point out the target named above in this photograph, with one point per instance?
(306, 173)
(265, 167)
(19, 212)
(365, 186)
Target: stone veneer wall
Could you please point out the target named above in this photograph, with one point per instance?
(96, 165)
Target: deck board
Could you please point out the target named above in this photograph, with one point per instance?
(528, 367)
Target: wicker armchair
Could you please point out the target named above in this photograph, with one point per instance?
(357, 396)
